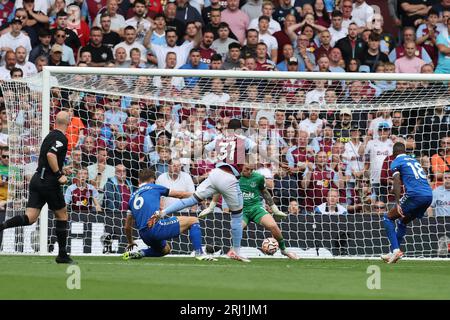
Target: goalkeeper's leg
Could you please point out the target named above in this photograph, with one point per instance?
(268, 222)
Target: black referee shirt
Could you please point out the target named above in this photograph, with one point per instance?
(55, 142)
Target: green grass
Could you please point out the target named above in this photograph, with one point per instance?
(31, 277)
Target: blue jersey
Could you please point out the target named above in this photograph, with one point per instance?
(413, 177)
(145, 201)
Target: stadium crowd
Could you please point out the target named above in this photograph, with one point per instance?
(317, 160)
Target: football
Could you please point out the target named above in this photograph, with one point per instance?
(269, 246)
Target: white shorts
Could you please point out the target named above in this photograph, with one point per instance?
(226, 184)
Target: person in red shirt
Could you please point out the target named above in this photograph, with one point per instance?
(80, 27)
(206, 52)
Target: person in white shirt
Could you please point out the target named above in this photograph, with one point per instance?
(269, 40)
(355, 163)
(27, 67)
(139, 21)
(216, 96)
(182, 52)
(362, 13)
(317, 95)
(336, 29)
(15, 38)
(375, 152)
(117, 20)
(267, 10)
(131, 42)
(175, 179)
(331, 206)
(383, 115)
(163, 82)
(10, 63)
(313, 124)
(441, 198)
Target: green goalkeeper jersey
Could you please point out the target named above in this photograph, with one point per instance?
(251, 189)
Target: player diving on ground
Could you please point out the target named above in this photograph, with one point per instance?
(155, 232)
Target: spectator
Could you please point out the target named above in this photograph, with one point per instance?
(121, 154)
(195, 63)
(373, 55)
(67, 52)
(382, 115)
(318, 179)
(207, 10)
(162, 163)
(321, 16)
(267, 11)
(435, 124)
(443, 45)
(15, 38)
(262, 62)
(5, 11)
(387, 42)
(253, 8)
(249, 50)
(284, 36)
(40, 62)
(300, 155)
(337, 31)
(409, 34)
(409, 63)
(379, 208)
(187, 13)
(76, 24)
(138, 21)
(233, 58)
(237, 19)
(172, 23)
(283, 10)
(441, 198)
(362, 13)
(312, 124)
(114, 116)
(375, 151)
(427, 34)
(10, 63)
(412, 11)
(351, 46)
(305, 56)
(131, 42)
(110, 38)
(293, 208)
(347, 18)
(331, 206)
(43, 48)
(222, 43)
(267, 38)
(206, 52)
(325, 46)
(71, 38)
(440, 161)
(117, 20)
(118, 190)
(100, 53)
(175, 179)
(100, 171)
(81, 196)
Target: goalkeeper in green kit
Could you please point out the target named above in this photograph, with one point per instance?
(253, 187)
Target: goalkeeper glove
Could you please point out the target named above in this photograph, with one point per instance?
(276, 212)
(208, 210)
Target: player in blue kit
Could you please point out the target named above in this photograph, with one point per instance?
(154, 232)
(414, 203)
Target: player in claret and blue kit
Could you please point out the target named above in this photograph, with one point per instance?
(154, 231)
(414, 203)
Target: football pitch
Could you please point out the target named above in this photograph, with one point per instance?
(35, 277)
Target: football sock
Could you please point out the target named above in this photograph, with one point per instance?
(181, 204)
(195, 234)
(236, 231)
(16, 221)
(61, 235)
(389, 225)
(282, 244)
(401, 231)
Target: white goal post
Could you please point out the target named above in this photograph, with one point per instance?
(162, 113)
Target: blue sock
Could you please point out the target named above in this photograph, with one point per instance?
(181, 204)
(401, 231)
(389, 225)
(195, 234)
(236, 231)
(150, 252)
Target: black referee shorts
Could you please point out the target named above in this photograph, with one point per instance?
(42, 193)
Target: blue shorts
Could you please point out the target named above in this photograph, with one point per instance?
(163, 230)
(415, 206)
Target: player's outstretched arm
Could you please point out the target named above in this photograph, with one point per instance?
(269, 200)
(129, 231)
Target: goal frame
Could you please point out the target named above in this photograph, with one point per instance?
(49, 71)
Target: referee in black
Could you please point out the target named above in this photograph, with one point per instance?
(45, 186)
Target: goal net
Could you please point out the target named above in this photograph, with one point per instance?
(324, 145)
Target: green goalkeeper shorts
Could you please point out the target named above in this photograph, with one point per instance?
(253, 213)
